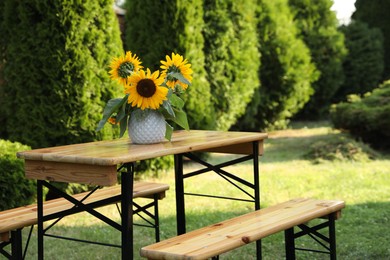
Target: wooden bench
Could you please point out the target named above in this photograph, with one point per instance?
(12, 221)
(222, 237)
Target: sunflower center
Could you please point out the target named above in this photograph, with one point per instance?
(125, 69)
(172, 69)
(146, 87)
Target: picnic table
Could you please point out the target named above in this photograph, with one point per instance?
(97, 163)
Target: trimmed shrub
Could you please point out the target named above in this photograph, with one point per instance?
(367, 117)
(376, 14)
(363, 66)
(56, 69)
(158, 28)
(286, 71)
(232, 57)
(15, 189)
(3, 133)
(341, 148)
(318, 28)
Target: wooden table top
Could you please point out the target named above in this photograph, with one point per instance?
(119, 151)
(95, 163)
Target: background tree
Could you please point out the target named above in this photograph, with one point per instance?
(56, 69)
(232, 57)
(318, 28)
(363, 66)
(286, 71)
(376, 14)
(158, 28)
(3, 38)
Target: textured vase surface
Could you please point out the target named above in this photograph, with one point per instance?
(147, 128)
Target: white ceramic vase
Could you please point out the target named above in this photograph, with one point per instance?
(147, 127)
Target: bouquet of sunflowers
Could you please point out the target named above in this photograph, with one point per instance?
(145, 90)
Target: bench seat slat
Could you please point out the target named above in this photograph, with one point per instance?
(227, 235)
(24, 216)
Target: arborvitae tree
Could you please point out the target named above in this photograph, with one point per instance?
(376, 14)
(56, 67)
(286, 71)
(232, 57)
(2, 60)
(318, 28)
(363, 66)
(158, 28)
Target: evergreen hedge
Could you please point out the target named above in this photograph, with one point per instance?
(286, 71)
(12, 179)
(318, 27)
(366, 118)
(376, 14)
(2, 60)
(232, 57)
(363, 66)
(56, 63)
(158, 28)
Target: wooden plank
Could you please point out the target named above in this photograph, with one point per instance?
(4, 237)
(120, 151)
(245, 148)
(27, 215)
(71, 172)
(227, 235)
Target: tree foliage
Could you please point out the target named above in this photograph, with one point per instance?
(366, 118)
(3, 133)
(55, 69)
(318, 28)
(12, 178)
(158, 28)
(232, 57)
(286, 71)
(363, 66)
(376, 14)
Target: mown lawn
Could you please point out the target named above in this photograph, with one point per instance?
(363, 232)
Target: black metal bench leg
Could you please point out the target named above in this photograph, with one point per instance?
(40, 218)
(16, 244)
(156, 218)
(332, 236)
(289, 243)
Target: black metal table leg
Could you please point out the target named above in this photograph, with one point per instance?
(256, 176)
(179, 187)
(40, 218)
(127, 178)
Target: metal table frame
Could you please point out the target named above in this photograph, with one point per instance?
(127, 179)
(96, 163)
(229, 177)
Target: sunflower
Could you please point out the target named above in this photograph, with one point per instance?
(176, 64)
(145, 91)
(124, 66)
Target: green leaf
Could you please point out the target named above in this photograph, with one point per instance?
(181, 119)
(112, 106)
(168, 108)
(176, 101)
(180, 77)
(168, 131)
(123, 126)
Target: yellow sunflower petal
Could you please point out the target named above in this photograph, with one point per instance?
(145, 90)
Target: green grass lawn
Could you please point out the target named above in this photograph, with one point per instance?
(363, 232)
